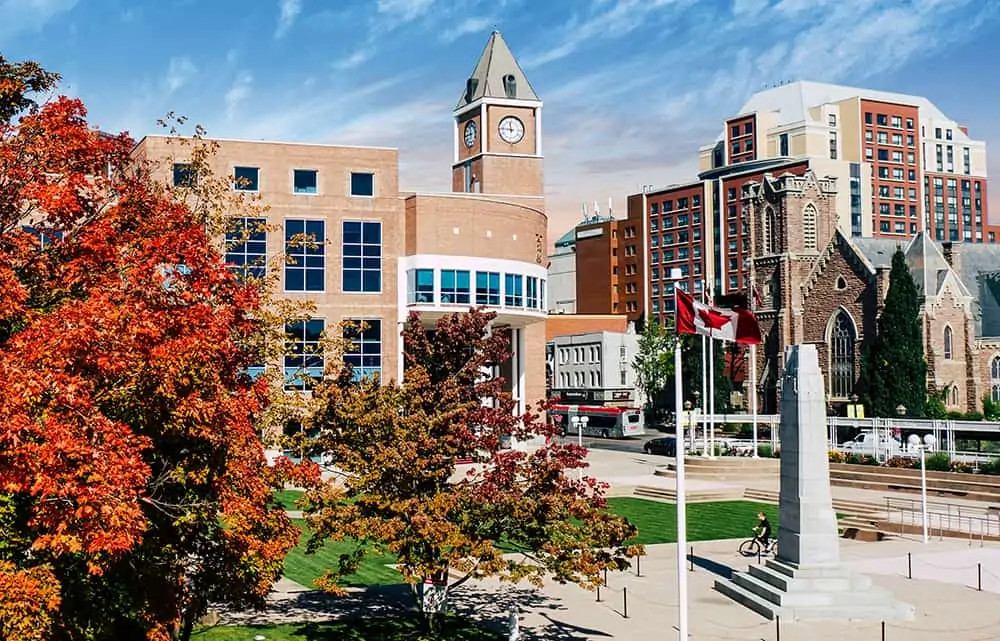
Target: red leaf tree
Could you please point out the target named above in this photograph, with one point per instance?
(405, 490)
(133, 487)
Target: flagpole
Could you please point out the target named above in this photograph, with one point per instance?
(704, 389)
(679, 489)
(711, 393)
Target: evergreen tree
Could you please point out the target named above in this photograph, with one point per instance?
(894, 370)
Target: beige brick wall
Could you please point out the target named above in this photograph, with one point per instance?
(512, 175)
(476, 225)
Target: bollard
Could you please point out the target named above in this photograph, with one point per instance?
(758, 555)
(625, 602)
(883, 631)
(777, 628)
(979, 577)
(605, 577)
(638, 570)
(691, 559)
(909, 565)
(598, 592)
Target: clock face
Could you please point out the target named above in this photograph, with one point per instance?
(511, 129)
(470, 134)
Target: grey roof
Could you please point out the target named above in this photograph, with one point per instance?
(927, 264)
(878, 251)
(496, 62)
(976, 258)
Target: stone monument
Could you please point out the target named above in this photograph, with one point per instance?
(807, 580)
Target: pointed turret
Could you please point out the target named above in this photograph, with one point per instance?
(497, 75)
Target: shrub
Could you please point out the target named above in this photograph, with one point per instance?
(901, 461)
(963, 467)
(861, 459)
(765, 450)
(991, 409)
(991, 467)
(938, 462)
(954, 415)
(973, 416)
(836, 456)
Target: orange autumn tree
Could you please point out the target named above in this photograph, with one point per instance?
(426, 475)
(133, 486)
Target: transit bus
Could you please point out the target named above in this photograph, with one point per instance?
(607, 422)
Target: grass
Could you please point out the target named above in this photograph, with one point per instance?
(287, 498)
(657, 522)
(304, 568)
(374, 629)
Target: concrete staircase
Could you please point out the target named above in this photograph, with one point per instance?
(692, 496)
(724, 468)
(780, 589)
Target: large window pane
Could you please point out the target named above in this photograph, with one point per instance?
(246, 178)
(305, 245)
(455, 287)
(487, 288)
(304, 181)
(304, 361)
(246, 247)
(364, 355)
(362, 249)
(513, 290)
(362, 184)
(424, 286)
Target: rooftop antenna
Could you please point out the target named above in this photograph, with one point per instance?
(585, 214)
(597, 210)
(610, 211)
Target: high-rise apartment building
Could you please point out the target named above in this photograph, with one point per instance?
(901, 167)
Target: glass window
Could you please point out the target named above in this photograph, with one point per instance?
(304, 181)
(455, 288)
(362, 244)
(303, 353)
(305, 252)
(532, 287)
(487, 288)
(842, 356)
(184, 175)
(246, 247)
(748, 128)
(947, 344)
(513, 290)
(246, 178)
(362, 184)
(364, 355)
(423, 285)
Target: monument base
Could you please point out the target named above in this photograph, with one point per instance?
(780, 589)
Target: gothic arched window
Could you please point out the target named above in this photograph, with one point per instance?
(947, 343)
(954, 395)
(995, 378)
(767, 230)
(809, 228)
(842, 339)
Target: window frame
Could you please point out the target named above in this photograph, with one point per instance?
(305, 252)
(350, 184)
(362, 270)
(315, 173)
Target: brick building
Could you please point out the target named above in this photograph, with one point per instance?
(380, 253)
(819, 285)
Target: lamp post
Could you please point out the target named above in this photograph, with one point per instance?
(704, 434)
(690, 416)
(579, 424)
(927, 444)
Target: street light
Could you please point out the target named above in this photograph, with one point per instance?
(704, 434)
(687, 408)
(927, 444)
(579, 424)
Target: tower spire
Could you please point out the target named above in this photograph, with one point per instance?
(497, 75)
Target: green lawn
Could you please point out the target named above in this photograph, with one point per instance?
(385, 629)
(657, 522)
(287, 498)
(306, 568)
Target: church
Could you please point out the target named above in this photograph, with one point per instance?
(818, 285)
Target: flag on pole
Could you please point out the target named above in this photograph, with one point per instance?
(739, 325)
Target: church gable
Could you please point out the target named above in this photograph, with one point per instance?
(839, 252)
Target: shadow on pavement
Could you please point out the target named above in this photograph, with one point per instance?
(714, 567)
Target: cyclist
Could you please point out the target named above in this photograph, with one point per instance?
(763, 531)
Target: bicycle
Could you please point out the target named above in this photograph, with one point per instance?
(755, 547)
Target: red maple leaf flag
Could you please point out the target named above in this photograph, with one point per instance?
(739, 325)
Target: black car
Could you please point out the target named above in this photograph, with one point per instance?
(665, 445)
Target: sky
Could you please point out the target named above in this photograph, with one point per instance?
(632, 88)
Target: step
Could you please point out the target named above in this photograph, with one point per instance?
(840, 505)
(747, 598)
(783, 582)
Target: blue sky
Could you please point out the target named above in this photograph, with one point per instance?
(632, 88)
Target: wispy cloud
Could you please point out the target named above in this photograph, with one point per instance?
(180, 71)
(237, 93)
(355, 58)
(404, 10)
(467, 26)
(23, 16)
(290, 10)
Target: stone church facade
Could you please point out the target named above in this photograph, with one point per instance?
(818, 285)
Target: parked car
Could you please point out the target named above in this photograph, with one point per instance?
(663, 445)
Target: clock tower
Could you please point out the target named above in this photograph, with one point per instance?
(498, 128)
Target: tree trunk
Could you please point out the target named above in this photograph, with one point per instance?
(187, 627)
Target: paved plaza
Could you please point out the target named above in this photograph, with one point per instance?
(945, 588)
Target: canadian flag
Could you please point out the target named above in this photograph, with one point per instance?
(739, 325)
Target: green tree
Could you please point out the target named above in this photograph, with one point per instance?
(654, 366)
(405, 490)
(894, 370)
